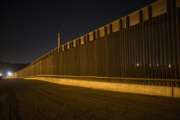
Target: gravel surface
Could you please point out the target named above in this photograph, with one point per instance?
(38, 100)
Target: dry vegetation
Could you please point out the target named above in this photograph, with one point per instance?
(37, 100)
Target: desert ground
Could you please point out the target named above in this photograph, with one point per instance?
(39, 100)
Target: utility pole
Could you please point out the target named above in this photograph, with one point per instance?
(58, 41)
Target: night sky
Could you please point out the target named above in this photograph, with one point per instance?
(28, 28)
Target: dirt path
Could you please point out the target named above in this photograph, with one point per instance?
(37, 100)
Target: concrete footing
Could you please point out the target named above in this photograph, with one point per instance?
(116, 87)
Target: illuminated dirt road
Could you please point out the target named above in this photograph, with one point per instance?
(37, 100)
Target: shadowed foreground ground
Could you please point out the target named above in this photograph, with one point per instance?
(37, 100)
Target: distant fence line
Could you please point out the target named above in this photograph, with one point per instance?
(144, 43)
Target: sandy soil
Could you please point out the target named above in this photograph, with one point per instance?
(37, 100)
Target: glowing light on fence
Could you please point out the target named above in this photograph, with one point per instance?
(137, 65)
(157, 65)
(169, 66)
(150, 65)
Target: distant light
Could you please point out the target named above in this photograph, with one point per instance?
(0, 74)
(9, 74)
